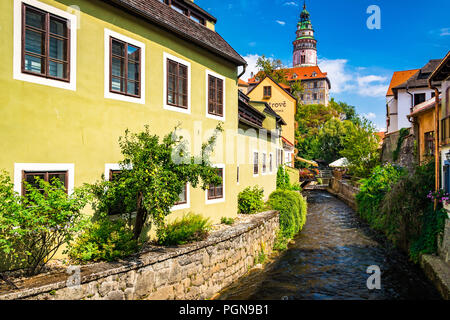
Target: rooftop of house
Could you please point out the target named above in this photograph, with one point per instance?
(398, 78)
(297, 73)
(442, 72)
(242, 83)
(283, 87)
(420, 78)
(164, 16)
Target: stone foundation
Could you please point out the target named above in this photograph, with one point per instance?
(344, 191)
(196, 271)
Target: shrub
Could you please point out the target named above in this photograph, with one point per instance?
(190, 228)
(292, 207)
(227, 221)
(372, 192)
(250, 200)
(34, 227)
(104, 239)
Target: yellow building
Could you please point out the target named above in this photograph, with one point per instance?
(284, 104)
(259, 144)
(76, 74)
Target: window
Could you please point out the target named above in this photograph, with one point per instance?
(264, 166)
(216, 192)
(215, 96)
(183, 196)
(255, 163)
(314, 96)
(315, 84)
(303, 59)
(270, 162)
(419, 98)
(179, 9)
(429, 143)
(125, 61)
(237, 174)
(45, 50)
(267, 91)
(301, 96)
(197, 19)
(177, 84)
(114, 174)
(49, 176)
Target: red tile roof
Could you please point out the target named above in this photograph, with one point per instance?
(398, 78)
(303, 73)
(242, 83)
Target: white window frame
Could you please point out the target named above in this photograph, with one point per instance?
(188, 65)
(17, 51)
(253, 163)
(271, 167)
(36, 167)
(213, 201)
(216, 75)
(114, 166)
(186, 205)
(117, 96)
(264, 156)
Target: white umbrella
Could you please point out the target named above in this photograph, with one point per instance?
(340, 163)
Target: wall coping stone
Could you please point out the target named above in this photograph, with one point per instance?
(55, 280)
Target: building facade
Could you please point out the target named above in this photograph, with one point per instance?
(74, 78)
(405, 96)
(284, 104)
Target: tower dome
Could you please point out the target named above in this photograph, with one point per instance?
(305, 45)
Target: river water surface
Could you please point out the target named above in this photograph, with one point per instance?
(329, 260)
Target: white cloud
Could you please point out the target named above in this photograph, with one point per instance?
(290, 3)
(281, 22)
(340, 79)
(348, 79)
(251, 61)
(445, 32)
(369, 115)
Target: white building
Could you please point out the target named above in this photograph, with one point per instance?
(407, 89)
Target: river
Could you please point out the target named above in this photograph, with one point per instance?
(329, 260)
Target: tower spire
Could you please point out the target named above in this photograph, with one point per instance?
(305, 45)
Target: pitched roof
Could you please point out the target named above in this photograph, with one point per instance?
(302, 73)
(442, 71)
(278, 84)
(242, 83)
(398, 78)
(420, 78)
(167, 18)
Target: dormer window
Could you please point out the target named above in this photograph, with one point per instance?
(294, 76)
(314, 74)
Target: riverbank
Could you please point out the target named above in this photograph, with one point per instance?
(329, 260)
(435, 267)
(194, 271)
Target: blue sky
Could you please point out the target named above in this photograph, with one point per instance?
(359, 61)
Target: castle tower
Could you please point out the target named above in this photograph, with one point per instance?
(305, 46)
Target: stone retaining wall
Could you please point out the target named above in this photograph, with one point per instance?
(196, 271)
(344, 191)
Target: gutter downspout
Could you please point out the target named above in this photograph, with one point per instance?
(436, 138)
(243, 71)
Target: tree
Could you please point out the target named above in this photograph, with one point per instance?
(332, 137)
(362, 149)
(156, 173)
(273, 68)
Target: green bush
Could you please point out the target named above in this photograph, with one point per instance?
(190, 228)
(34, 227)
(250, 200)
(292, 207)
(372, 192)
(104, 239)
(227, 221)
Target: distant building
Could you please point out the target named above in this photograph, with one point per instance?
(401, 98)
(315, 83)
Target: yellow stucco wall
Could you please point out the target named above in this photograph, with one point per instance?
(281, 102)
(426, 124)
(43, 124)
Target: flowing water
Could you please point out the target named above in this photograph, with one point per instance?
(329, 260)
